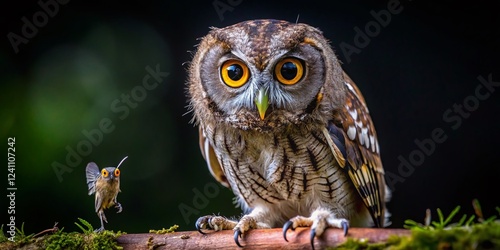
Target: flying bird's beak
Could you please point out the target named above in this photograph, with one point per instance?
(261, 100)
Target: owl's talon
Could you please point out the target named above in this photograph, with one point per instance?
(288, 225)
(237, 233)
(199, 228)
(345, 226)
(216, 223)
(313, 235)
(201, 224)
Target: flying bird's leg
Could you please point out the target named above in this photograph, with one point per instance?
(103, 219)
(319, 221)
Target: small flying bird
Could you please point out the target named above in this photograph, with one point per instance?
(106, 185)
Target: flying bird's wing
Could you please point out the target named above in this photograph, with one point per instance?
(92, 173)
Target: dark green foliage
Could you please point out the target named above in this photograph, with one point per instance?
(3, 238)
(21, 238)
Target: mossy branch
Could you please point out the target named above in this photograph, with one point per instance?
(470, 232)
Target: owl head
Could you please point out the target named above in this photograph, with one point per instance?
(110, 174)
(264, 74)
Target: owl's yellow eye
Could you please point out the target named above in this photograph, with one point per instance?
(104, 173)
(234, 73)
(117, 172)
(289, 71)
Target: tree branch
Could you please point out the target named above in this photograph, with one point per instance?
(254, 239)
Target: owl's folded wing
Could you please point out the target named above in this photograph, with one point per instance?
(212, 161)
(354, 144)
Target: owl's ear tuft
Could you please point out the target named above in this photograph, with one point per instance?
(310, 41)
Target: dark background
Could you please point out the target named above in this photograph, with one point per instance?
(63, 81)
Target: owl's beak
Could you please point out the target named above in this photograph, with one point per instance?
(261, 100)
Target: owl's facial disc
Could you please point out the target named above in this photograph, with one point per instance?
(260, 75)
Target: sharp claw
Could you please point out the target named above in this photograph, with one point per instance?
(313, 235)
(119, 207)
(345, 226)
(198, 225)
(237, 233)
(288, 225)
(199, 229)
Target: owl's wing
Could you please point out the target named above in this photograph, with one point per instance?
(92, 173)
(212, 161)
(355, 146)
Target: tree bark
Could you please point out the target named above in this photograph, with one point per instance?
(254, 239)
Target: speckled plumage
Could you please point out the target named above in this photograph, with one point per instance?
(311, 157)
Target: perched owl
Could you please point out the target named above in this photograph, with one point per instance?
(284, 127)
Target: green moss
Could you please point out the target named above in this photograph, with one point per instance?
(165, 231)
(360, 244)
(58, 239)
(73, 240)
(64, 241)
(477, 236)
(467, 233)
(104, 240)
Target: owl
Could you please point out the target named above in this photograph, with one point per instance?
(286, 129)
